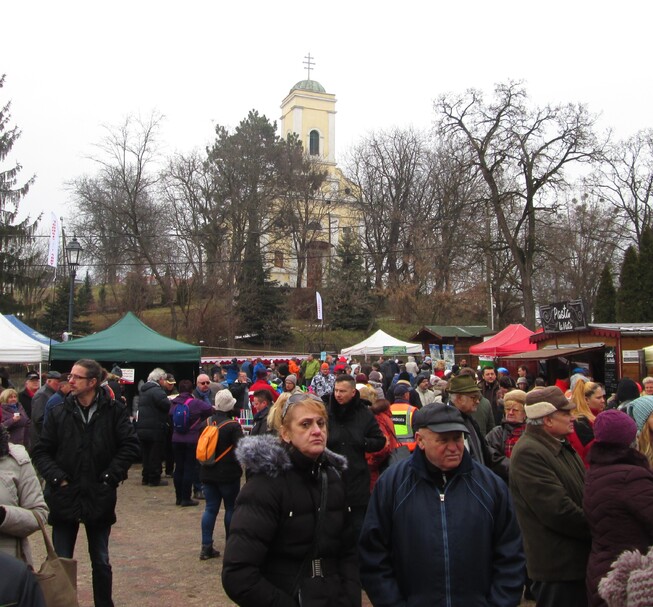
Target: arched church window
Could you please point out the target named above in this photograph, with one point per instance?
(314, 143)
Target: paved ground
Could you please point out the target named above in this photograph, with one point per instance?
(154, 551)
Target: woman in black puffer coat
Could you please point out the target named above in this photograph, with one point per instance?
(271, 554)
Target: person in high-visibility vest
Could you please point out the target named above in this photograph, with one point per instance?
(402, 416)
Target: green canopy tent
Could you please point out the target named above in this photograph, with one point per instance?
(130, 343)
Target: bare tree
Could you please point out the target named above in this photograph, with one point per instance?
(126, 186)
(521, 153)
(390, 173)
(625, 180)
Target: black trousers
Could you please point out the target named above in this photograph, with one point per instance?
(152, 451)
(560, 594)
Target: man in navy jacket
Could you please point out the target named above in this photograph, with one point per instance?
(440, 528)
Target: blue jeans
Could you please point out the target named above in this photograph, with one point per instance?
(64, 536)
(214, 494)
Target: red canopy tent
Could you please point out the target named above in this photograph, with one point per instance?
(512, 340)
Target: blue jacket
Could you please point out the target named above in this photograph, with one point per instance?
(424, 545)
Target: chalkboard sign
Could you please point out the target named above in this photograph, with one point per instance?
(563, 316)
(610, 360)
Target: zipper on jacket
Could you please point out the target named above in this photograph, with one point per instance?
(445, 543)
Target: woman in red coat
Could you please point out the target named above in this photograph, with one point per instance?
(618, 499)
(377, 461)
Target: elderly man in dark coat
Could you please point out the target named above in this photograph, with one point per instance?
(546, 482)
(441, 528)
(152, 426)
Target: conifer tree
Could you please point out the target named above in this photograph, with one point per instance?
(13, 234)
(349, 303)
(645, 276)
(605, 309)
(260, 302)
(628, 297)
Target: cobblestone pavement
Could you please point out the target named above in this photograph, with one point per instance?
(154, 550)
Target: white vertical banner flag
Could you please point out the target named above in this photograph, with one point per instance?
(55, 231)
(318, 302)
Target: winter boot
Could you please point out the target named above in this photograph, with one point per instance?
(208, 552)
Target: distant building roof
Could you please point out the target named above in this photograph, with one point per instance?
(444, 331)
(309, 85)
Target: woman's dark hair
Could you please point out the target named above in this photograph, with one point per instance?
(185, 385)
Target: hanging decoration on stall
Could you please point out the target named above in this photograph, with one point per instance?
(563, 316)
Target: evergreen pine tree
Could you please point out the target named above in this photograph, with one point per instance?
(54, 321)
(349, 303)
(628, 297)
(605, 309)
(84, 297)
(260, 302)
(13, 234)
(645, 291)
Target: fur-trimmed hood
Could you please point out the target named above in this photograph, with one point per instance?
(266, 454)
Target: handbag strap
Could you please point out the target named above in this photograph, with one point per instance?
(46, 538)
(312, 551)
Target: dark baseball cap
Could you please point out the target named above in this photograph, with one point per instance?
(53, 375)
(439, 418)
(32, 375)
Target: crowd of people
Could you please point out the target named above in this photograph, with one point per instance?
(416, 483)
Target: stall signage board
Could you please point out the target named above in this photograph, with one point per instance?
(392, 350)
(610, 358)
(563, 316)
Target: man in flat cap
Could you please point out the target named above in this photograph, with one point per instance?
(464, 394)
(546, 482)
(39, 400)
(440, 528)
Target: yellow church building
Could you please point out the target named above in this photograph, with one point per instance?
(310, 112)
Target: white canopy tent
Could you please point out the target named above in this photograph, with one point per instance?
(375, 344)
(16, 347)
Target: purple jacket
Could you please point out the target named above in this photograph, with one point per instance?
(199, 410)
(618, 503)
(18, 428)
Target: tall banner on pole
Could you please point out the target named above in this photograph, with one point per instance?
(318, 303)
(55, 231)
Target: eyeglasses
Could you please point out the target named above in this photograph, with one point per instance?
(298, 398)
(77, 377)
(204, 383)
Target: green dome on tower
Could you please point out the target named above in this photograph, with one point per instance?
(309, 85)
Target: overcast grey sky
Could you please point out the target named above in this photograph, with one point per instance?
(73, 66)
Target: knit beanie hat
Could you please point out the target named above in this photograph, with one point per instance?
(614, 426)
(376, 376)
(642, 408)
(292, 379)
(224, 401)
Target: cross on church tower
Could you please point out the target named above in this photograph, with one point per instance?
(309, 64)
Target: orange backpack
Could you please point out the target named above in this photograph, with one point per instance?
(208, 443)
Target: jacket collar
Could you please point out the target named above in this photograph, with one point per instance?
(419, 464)
(552, 443)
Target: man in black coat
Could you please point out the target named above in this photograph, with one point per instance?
(87, 445)
(261, 405)
(353, 431)
(152, 426)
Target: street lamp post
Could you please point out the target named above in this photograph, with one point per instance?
(73, 251)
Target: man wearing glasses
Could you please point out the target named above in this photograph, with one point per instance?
(87, 445)
(203, 388)
(464, 394)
